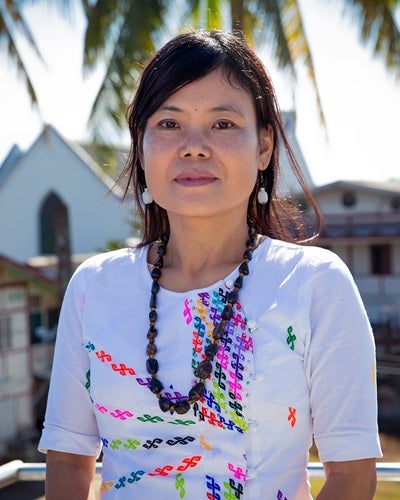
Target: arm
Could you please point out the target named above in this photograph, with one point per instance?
(69, 476)
(341, 369)
(349, 480)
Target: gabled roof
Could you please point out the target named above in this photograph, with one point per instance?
(15, 155)
(27, 273)
(10, 160)
(388, 187)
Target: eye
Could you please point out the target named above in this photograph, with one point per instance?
(223, 124)
(168, 124)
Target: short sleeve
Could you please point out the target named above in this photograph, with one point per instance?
(341, 368)
(70, 425)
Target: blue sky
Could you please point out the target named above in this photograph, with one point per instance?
(360, 100)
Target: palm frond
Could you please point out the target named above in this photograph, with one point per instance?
(299, 47)
(104, 20)
(378, 28)
(131, 50)
(11, 21)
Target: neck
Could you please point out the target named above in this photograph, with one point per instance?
(201, 251)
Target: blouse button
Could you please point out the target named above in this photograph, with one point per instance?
(229, 283)
(251, 474)
(252, 325)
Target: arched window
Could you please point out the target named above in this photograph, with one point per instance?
(53, 224)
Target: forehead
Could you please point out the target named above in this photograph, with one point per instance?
(215, 87)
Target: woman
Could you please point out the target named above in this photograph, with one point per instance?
(206, 359)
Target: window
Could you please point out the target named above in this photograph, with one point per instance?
(53, 224)
(349, 199)
(380, 259)
(5, 332)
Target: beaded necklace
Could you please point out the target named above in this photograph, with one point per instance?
(204, 368)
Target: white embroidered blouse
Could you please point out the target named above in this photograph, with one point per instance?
(297, 360)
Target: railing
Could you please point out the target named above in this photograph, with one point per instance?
(17, 470)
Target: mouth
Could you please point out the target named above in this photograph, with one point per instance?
(195, 178)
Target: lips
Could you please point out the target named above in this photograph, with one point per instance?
(192, 178)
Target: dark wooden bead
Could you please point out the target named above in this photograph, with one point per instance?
(164, 404)
(244, 268)
(165, 238)
(211, 349)
(239, 282)
(227, 313)
(218, 331)
(152, 333)
(152, 366)
(155, 288)
(248, 254)
(153, 316)
(197, 391)
(159, 262)
(233, 297)
(155, 386)
(204, 369)
(181, 407)
(161, 249)
(155, 273)
(151, 349)
(153, 300)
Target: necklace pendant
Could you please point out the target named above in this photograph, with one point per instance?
(197, 391)
(164, 404)
(181, 407)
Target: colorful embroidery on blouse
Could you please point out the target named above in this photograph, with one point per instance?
(291, 338)
(123, 414)
(164, 471)
(280, 496)
(292, 416)
(132, 444)
(222, 402)
(180, 484)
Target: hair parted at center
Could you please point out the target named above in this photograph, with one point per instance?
(185, 59)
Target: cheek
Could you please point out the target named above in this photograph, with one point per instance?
(151, 146)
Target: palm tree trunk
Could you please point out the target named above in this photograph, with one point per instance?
(237, 16)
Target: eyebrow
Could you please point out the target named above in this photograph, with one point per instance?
(225, 107)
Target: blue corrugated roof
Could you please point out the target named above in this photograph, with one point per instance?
(11, 159)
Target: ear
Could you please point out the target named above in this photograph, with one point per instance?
(266, 140)
(140, 149)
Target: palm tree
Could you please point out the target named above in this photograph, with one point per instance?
(11, 23)
(14, 24)
(124, 32)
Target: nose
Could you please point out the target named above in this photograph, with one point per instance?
(195, 146)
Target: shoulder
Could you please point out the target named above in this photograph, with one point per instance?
(113, 259)
(108, 266)
(305, 255)
(304, 261)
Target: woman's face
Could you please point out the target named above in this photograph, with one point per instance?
(202, 149)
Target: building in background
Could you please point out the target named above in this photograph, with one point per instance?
(55, 199)
(29, 309)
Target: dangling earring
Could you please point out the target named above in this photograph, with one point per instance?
(146, 197)
(262, 195)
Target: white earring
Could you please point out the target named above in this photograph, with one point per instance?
(146, 197)
(262, 196)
